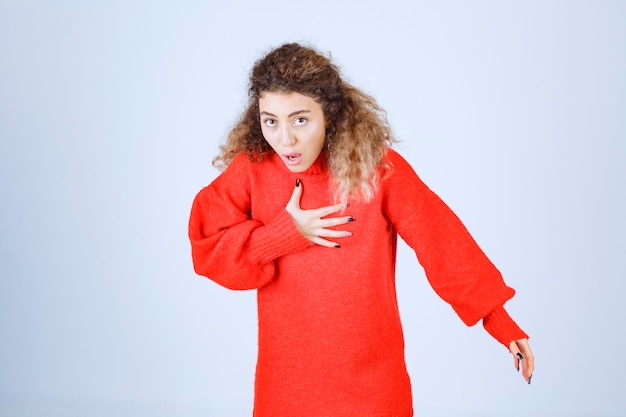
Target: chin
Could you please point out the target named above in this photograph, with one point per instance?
(297, 169)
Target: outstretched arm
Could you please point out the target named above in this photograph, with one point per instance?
(454, 264)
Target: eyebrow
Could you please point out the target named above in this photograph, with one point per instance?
(295, 113)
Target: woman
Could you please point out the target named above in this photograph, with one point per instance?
(307, 211)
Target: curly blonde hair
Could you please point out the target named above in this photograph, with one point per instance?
(358, 133)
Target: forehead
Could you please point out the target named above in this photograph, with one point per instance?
(286, 100)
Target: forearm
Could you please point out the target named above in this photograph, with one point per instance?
(241, 255)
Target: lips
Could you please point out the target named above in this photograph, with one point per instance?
(292, 158)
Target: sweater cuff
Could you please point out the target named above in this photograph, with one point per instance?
(501, 326)
(276, 239)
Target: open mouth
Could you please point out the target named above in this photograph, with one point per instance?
(293, 158)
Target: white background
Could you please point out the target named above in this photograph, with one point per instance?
(110, 112)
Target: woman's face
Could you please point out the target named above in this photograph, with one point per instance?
(294, 126)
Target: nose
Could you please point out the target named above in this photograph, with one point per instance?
(288, 137)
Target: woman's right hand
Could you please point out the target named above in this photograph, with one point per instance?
(312, 224)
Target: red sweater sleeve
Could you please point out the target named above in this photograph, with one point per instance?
(456, 267)
(501, 326)
(227, 245)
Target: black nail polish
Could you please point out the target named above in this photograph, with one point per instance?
(297, 182)
(529, 378)
(337, 246)
(351, 219)
(519, 355)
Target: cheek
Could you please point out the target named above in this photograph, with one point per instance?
(322, 136)
(267, 136)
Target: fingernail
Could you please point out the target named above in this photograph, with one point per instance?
(529, 378)
(297, 182)
(337, 246)
(348, 233)
(519, 355)
(351, 219)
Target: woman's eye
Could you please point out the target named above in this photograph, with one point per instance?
(300, 120)
(270, 122)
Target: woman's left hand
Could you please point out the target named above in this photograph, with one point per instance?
(522, 354)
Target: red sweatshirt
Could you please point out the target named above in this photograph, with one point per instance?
(330, 338)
